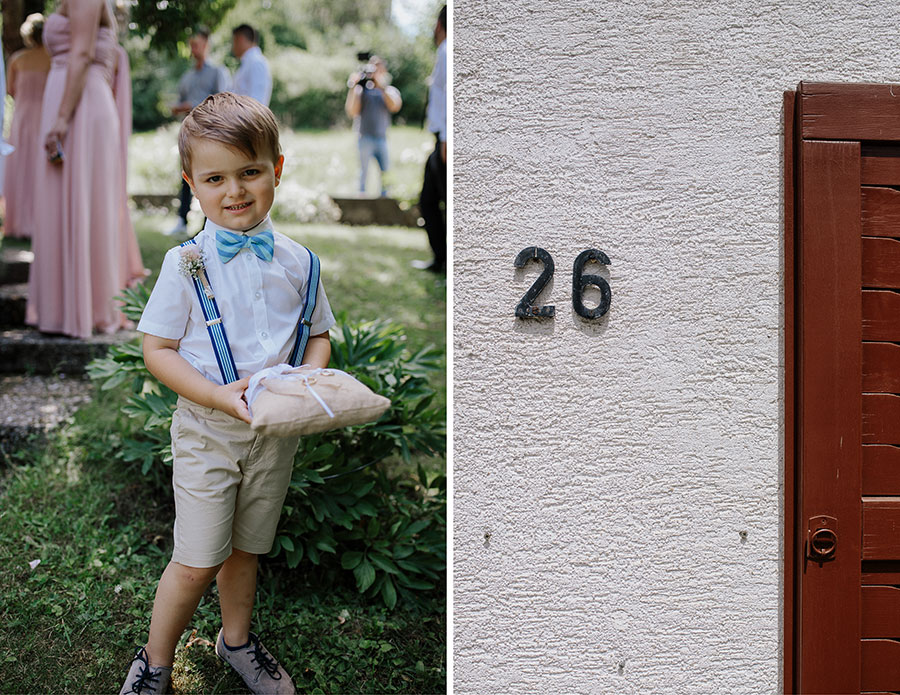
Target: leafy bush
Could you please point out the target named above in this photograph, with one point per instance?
(154, 79)
(389, 531)
(392, 531)
(309, 90)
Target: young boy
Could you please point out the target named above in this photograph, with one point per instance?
(229, 483)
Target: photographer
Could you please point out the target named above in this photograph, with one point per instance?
(370, 102)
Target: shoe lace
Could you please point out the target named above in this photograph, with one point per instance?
(264, 661)
(145, 678)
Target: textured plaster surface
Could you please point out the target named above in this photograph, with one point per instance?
(604, 473)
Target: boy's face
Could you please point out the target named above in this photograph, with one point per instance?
(235, 191)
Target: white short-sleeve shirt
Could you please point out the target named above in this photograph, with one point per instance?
(253, 77)
(259, 301)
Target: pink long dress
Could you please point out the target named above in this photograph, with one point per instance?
(20, 186)
(131, 253)
(79, 254)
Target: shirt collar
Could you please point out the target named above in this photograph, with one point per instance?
(251, 53)
(209, 229)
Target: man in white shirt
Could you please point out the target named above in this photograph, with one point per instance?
(253, 77)
(434, 184)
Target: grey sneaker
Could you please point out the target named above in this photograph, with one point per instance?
(257, 667)
(144, 680)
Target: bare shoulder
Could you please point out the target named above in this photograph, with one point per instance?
(86, 9)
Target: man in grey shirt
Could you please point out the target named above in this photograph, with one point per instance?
(370, 102)
(201, 81)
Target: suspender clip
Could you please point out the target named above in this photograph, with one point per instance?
(306, 322)
(214, 321)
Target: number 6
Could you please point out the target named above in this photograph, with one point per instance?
(580, 281)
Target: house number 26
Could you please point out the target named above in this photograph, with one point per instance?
(526, 308)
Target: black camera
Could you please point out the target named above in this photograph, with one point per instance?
(366, 70)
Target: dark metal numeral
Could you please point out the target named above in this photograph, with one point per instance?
(526, 308)
(580, 281)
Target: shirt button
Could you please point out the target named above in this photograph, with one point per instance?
(264, 334)
(258, 295)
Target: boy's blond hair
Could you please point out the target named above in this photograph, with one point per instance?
(237, 121)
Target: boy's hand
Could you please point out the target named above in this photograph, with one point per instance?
(230, 399)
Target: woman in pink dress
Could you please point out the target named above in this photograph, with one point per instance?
(26, 76)
(131, 253)
(80, 252)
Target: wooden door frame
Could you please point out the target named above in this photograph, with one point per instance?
(788, 653)
(816, 111)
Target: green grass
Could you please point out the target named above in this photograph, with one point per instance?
(70, 624)
(103, 539)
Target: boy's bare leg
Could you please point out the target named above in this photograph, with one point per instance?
(177, 596)
(237, 591)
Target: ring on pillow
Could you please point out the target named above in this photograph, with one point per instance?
(286, 401)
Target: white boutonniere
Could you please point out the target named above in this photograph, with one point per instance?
(191, 265)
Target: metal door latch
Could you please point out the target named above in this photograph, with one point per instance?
(821, 538)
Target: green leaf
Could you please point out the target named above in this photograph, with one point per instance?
(419, 584)
(414, 528)
(320, 453)
(409, 566)
(295, 556)
(389, 594)
(363, 490)
(351, 559)
(286, 543)
(326, 545)
(374, 528)
(383, 563)
(403, 551)
(365, 508)
(365, 575)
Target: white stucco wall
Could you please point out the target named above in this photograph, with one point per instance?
(614, 467)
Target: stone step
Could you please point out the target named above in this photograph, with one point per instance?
(30, 406)
(155, 201)
(12, 305)
(14, 265)
(381, 211)
(27, 351)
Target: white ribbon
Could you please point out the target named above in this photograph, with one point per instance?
(286, 372)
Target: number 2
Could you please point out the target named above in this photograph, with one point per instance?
(526, 308)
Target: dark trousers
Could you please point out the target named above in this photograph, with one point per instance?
(185, 197)
(434, 192)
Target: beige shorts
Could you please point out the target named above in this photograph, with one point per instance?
(230, 485)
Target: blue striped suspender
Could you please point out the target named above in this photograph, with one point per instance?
(216, 329)
(214, 326)
(303, 325)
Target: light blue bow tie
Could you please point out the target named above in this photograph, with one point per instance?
(229, 243)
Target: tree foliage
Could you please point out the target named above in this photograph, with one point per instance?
(311, 47)
(168, 22)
